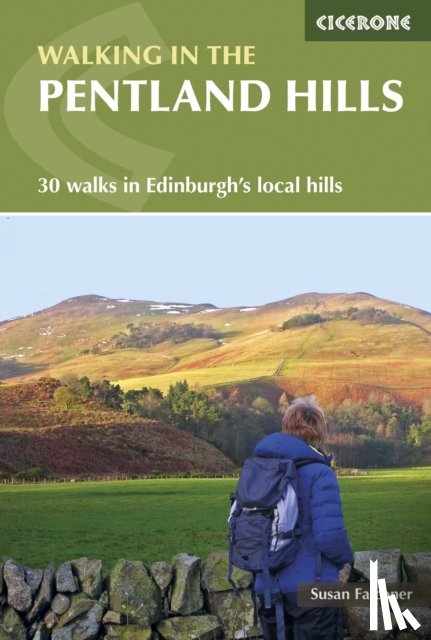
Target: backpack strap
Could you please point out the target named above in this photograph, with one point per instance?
(304, 461)
(254, 601)
(279, 616)
(267, 578)
(230, 568)
(277, 602)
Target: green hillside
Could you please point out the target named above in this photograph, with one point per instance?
(346, 354)
(39, 439)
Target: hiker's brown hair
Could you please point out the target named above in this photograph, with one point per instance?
(305, 419)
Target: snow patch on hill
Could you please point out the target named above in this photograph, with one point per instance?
(170, 308)
(46, 331)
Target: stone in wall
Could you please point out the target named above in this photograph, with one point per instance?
(31, 629)
(235, 614)
(87, 627)
(205, 627)
(357, 620)
(60, 604)
(130, 632)
(42, 632)
(134, 593)
(417, 566)
(80, 604)
(163, 573)
(89, 573)
(114, 618)
(423, 616)
(215, 570)
(44, 595)
(33, 578)
(187, 597)
(19, 594)
(65, 581)
(345, 573)
(63, 633)
(50, 620)
(389, 563)
(11, 625)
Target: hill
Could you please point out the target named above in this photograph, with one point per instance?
(37, 439)
(360, 346)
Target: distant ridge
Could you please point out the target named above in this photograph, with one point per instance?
(363, 345)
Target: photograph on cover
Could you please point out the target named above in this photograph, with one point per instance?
(142, 360)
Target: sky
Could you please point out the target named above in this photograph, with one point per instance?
(223, 260)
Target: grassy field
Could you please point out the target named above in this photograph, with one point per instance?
(155, 519)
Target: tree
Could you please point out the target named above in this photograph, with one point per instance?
(107, 394)
(80, 387)
(146, 402)
(147, 334)
(131, 399)
(190, 410)
(393, 429)
(302, 320)
(262, 405)
(71, 381)
(381, 430)
(152, 405)
(419, 435)
(64, 398)
(351, 311)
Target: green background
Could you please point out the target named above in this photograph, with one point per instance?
(383, 159)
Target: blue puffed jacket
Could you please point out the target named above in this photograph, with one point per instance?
(324, 546)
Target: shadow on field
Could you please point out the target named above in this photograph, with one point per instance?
(14, 369)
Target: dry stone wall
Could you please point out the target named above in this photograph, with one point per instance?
(184, 600)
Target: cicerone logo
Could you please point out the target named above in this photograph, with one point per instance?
(379, 593)
(363, 23)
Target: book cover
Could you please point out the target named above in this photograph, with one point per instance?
(208, 210)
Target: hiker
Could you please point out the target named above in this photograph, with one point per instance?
(286, 526)
(324, 545)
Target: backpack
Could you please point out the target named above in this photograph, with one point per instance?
(265, 525)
